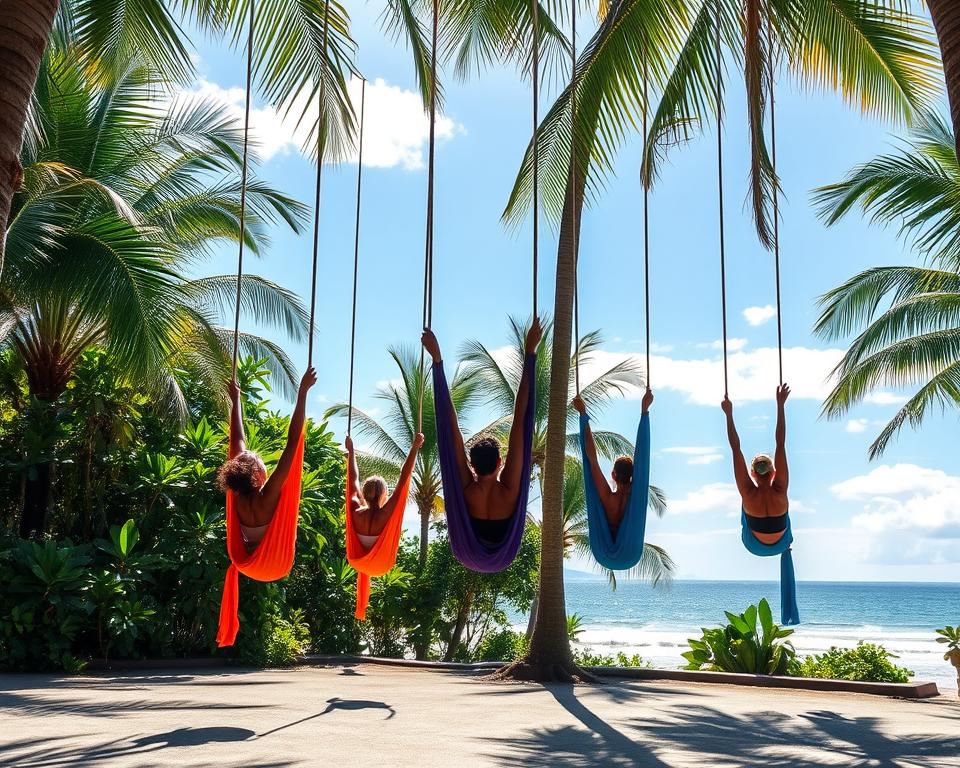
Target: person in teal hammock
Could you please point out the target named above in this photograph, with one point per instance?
(615, 499)
(763, 488)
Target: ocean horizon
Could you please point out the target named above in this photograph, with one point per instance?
(656, 622)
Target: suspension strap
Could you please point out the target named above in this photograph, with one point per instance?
(356, 258)
(535, 11)
(723, 247)
(776, 189)
(243, 188)
(646, 211)
(321, 148)
(573, 191)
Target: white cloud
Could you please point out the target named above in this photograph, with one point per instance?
(396, 130)
(698, 455)
(708, 498)
(660, 349)
(753, 374)
(708, 458)
(857, 425)
(896, 480)
(884, 398)
(759, 315)
(733, 345)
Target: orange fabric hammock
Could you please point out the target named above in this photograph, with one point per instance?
(382, 556)
(273, 557)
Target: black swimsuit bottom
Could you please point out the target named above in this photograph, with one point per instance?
(491, 531)
(767, 524)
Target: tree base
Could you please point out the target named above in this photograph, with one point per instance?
(531, 670)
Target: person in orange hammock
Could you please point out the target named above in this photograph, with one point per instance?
(763, 489)
(245, 474)
(370, 504)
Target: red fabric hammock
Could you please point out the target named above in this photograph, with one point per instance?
(382, 556)
(273, 557)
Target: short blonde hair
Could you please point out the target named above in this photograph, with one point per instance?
(373, 490)
(762, 464)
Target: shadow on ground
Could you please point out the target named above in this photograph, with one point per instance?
(711, 737)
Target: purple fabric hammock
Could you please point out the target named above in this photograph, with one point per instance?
(473, 552)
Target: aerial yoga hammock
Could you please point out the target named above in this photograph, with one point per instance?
(272, 557)
(369, 558)
(754, 527)
(472, 550)
(619, 549)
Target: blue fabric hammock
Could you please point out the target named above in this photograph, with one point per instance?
(789, 611)
(624, 551)
(473, 552)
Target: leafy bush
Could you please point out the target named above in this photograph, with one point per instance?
(503, 645)
(751, 643)
(866, 663)
(587, 659)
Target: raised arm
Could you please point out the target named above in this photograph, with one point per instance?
(740, 474)
(513, 463)
(237, 440)
(430, 343)
(406, 471)
(782, 478)
(353, 471)
(590, 453)
(271, 489)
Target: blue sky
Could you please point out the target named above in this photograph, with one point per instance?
(897, 519)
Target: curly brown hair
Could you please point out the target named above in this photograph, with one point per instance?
(623, 470)
(239, 473)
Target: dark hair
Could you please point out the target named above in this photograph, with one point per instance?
(237, 473)
(623, 470)
(484, 455)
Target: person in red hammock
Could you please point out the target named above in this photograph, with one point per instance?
(370, 505)
(244, 473)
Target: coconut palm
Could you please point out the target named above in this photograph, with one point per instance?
(391, 434)
(301, 58)
(946, 21)
(907, 318)
(120, 200)
(874, 53)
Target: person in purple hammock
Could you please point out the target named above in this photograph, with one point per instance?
(491, 485)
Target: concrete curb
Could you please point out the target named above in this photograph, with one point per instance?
(917, 690)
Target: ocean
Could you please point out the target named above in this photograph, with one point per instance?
(637, 618)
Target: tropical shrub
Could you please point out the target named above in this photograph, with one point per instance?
(503, 645)
(750, 643)
(867, 663)
(950, 636)
(587, 659)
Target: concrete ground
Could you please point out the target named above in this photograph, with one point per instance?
(379, 716)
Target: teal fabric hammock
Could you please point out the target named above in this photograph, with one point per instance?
(623, 551)
(789, 611)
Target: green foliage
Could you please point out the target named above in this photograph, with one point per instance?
(750, 643)
(950, 636)
(502, 645)
(574, 626)
(587, 659)
(867, 662)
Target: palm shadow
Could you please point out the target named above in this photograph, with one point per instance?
(348, 705)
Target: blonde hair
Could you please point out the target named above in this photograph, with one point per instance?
(373, 490)
(762, 464)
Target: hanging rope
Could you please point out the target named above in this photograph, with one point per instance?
(428, 240)
(535, 11)
(356, 257)
(573, 191)
(646, 212)
(776, 189)
(723, 247)
(321, 147)
(243, 188)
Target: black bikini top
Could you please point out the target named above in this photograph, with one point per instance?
(776, 524)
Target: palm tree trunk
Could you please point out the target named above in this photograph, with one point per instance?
(24, 29)
(459, 625)
(549, 657)
(946, 20)
(424, 509)
(37, 500)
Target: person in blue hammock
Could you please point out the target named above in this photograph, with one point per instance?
(763, 488)
(491, 485)
(615, 499)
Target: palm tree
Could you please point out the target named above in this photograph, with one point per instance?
(304, 55)
(391, 434)
(120, 200)
(946, 20)
(875, 55)
(907, 318)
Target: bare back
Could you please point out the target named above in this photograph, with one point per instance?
(370, 521)
(490, 498)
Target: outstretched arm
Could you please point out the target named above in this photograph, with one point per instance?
(271, 489)
(237, 440)
(430, 343)
(590, 453)
(782, 478)
(353, 471)
(513, 464)
(407, 469)
(740, 473)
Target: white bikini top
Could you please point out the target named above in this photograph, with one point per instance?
(253, 534)
(367, 541)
